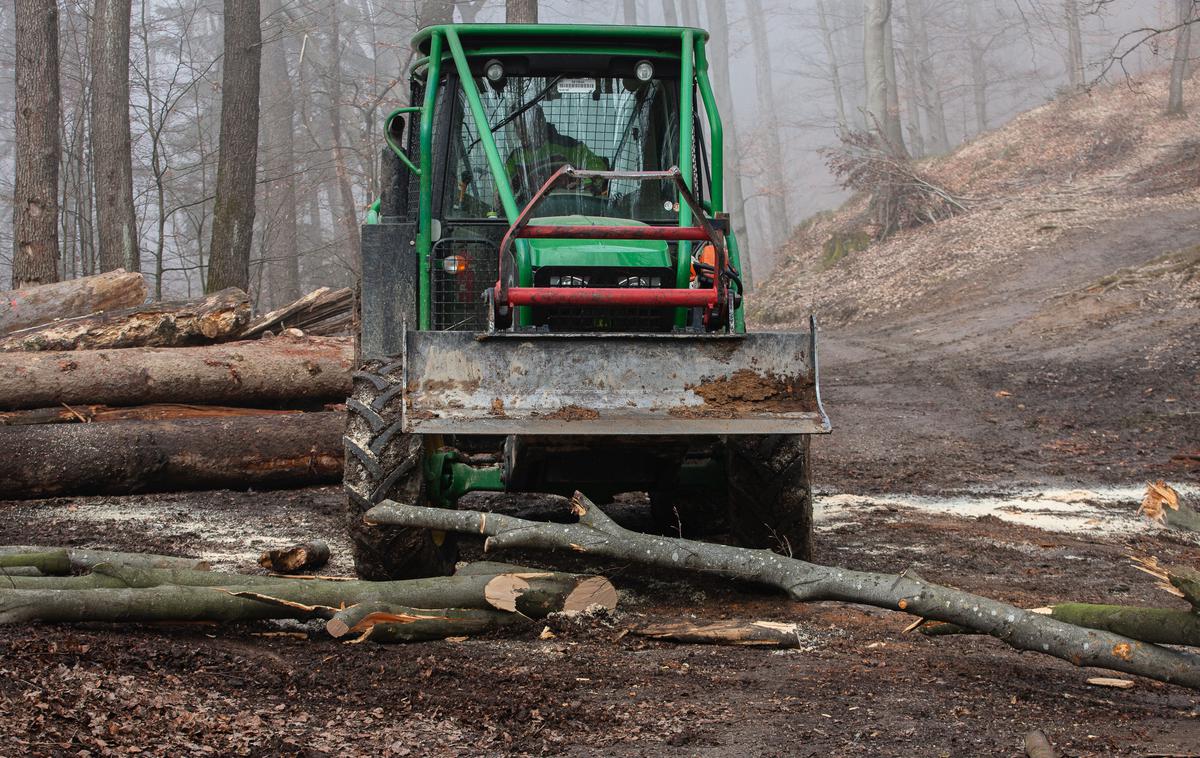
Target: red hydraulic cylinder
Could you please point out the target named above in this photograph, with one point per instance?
(600, 296)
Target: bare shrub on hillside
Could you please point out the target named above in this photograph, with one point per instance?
(901, 197)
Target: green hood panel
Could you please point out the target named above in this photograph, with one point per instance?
(584, 253)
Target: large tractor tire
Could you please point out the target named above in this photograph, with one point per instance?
(770, 492)
(384, 463)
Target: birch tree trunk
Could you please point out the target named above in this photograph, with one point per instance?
(233, 213)
(1179, 65)
(35, 186)
(521, 11)
(931, 100)
(776, 189)
(109, 51)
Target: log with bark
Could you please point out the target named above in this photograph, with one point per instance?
(279, 372)
(141, 596)
(218, 317)
(32, 306)
(86, 414)
(322, 311)
(1162, 626)
(260, 452)
(84, 559)
(596, 534)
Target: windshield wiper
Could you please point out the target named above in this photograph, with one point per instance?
(517, 113)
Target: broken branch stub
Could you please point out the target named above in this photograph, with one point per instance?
(597, 534)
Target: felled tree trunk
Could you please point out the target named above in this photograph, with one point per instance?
(255, 598)
(76, 297)
(166, 324)
(596, 534)
(276, 372)
(262, 452)
(84, 559)
(86, 414)
(1163, 626)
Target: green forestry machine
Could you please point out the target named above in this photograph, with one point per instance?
(551, 298)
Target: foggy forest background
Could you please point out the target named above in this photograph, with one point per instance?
(332, 69)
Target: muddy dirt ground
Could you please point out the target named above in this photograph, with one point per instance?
(960, 431)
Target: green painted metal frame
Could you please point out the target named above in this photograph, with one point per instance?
(449, 479)
(399, 149)
(433, 75)
(693, 77)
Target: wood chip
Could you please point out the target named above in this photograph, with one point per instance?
(1104, 681)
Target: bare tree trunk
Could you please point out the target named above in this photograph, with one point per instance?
(776, 189)
(348, 217)
(931, 101)
(979, 80)
(895, 131)
(111, 156)
(233, 214)
(1179, 65)
(630, 9)
(670, 17)
(875, 65)
(735, 200)
(835, 75)
(916, 137)
(521, 11)
(1074, 52)
(35, 189)
(690, 12)
(284, 245)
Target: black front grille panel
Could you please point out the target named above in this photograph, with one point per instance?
(604, 318)
(462, 271)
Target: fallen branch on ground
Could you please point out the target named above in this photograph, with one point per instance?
(1161, 626)
(596, 534)
(742, 633)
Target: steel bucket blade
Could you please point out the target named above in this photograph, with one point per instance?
(584, 384)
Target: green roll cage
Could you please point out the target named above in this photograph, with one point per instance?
(445, 43)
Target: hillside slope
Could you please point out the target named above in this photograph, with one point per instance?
(1049, 334)
(1048, 187)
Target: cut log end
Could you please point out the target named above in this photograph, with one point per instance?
(595, 590)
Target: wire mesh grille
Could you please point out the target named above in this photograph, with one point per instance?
(462, 270)
(541, 123)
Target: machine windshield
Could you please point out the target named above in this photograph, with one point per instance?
(543, 122)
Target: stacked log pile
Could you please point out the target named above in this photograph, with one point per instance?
(102, 393)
